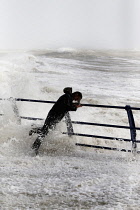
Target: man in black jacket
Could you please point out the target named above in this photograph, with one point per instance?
(55, 115)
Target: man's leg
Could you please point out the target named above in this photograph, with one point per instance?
(48, 125)
(37, 144)
(39, 140)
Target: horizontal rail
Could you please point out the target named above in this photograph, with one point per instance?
(105, 125)
(83, 123)
(89, 105)
(28, 100)
(101, 137)
(28, 118)
(31, 118)
(102, 147)
(108, 106)
(32, 100)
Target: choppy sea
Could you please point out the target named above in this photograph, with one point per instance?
(65, 176)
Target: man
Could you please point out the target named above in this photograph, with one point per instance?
(55, 115)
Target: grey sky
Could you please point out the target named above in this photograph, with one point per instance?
(41, 24)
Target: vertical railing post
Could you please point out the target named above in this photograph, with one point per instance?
(70, 130)
(132, 127)
(15, 109)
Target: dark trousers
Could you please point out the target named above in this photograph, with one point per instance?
(50, 124)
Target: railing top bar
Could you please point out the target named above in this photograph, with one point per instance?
(89, 105)
(104, 106)
(32, 100)
(109, 106)
(28, 100)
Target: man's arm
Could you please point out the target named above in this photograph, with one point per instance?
(72, 106)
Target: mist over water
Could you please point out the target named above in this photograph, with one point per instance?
(82, 24)
(64, 176)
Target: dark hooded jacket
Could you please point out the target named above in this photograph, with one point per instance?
(59, 109)
(63, 105)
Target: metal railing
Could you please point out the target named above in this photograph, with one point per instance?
(70, 130)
